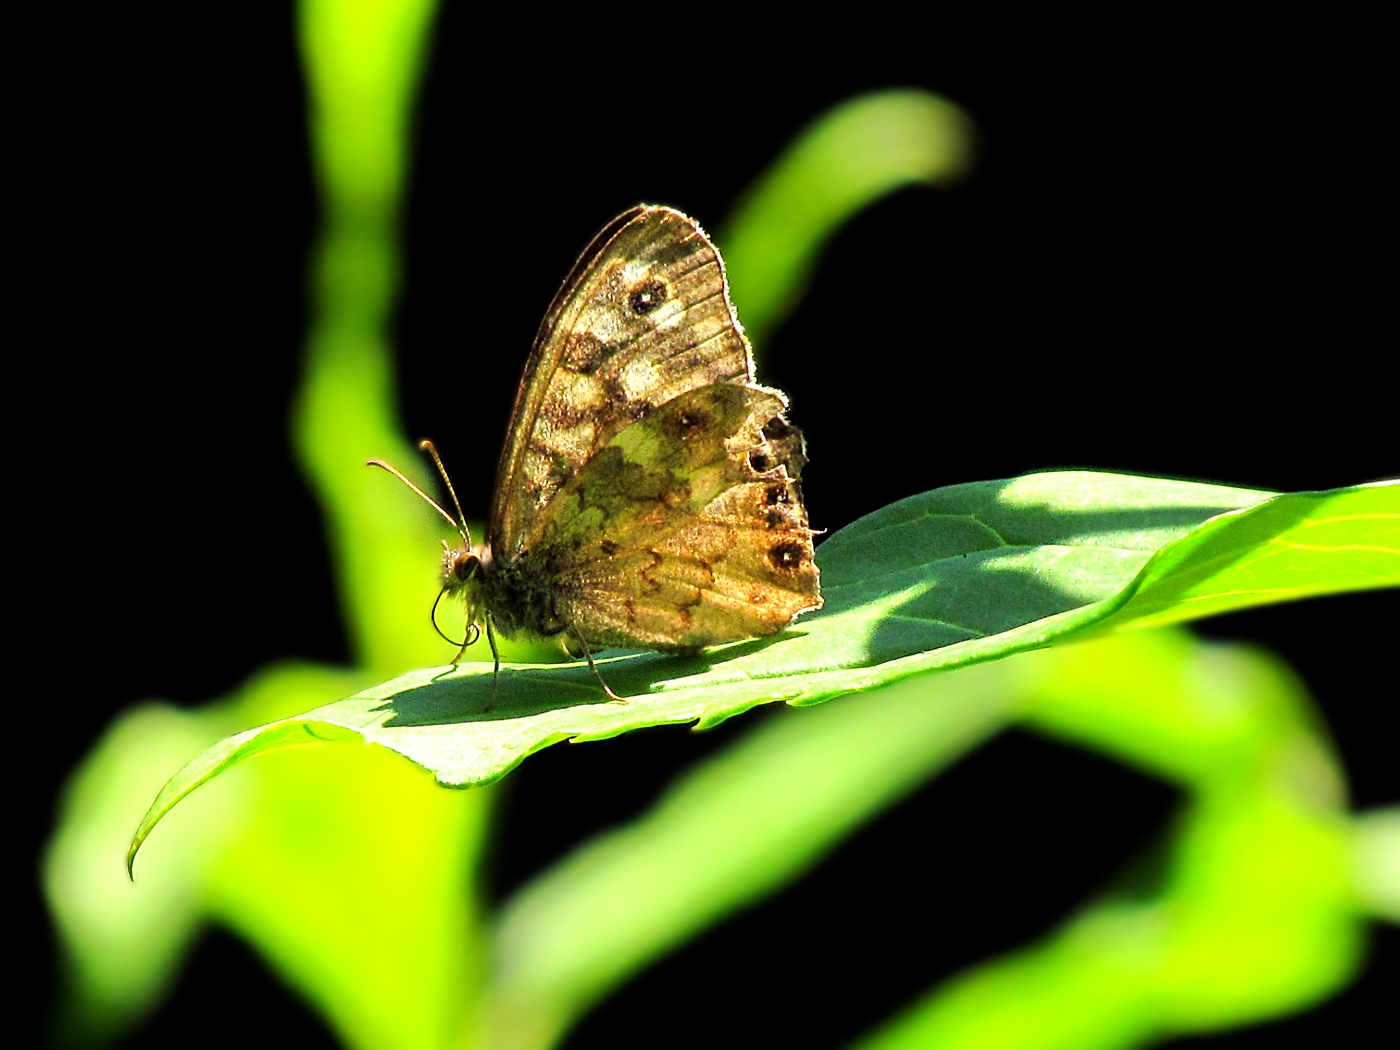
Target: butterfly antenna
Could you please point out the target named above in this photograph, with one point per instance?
(428, 447)
(434, 503)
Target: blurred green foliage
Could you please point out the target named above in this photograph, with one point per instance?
(353, 874)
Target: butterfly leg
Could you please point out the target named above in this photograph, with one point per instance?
(496, 656)
(473, 633)
(588, 655)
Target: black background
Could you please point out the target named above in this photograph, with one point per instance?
(1164, 263)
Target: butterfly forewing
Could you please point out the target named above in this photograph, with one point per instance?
(643, 318)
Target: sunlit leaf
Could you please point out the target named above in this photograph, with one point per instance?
(953, 577)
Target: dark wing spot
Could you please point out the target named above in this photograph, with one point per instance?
(609, 548)
(777, 428)
(586, 353)
(787, 556)
(776, 518)
(776, 495)
(690, 423)
(619, 404)
(759, 460)
(616, 394)
(646, 297)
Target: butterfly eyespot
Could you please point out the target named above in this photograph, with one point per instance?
(647, 297)
(760, 461)
(787, 556)
(777, 428)
(691, 421)
(775, 495)
(776, 518)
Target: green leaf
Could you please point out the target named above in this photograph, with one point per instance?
(1293, 547)
(952, 577)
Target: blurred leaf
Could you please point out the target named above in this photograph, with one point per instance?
(362, 60)
(122, 945)
(308, 860)
(730, 831)
(852, 156)
(952, 577)
(354, 880)
(292, 856)
(1377, 848)
(1258, 915)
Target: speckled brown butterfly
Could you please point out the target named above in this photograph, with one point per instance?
(648, 495)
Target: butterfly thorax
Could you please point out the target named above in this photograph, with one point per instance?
(513, 594)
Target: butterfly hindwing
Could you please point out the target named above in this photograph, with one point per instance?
(687, 529)
(643, 318)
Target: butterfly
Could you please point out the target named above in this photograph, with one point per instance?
(649, 493)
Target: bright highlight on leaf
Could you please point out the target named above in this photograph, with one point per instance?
(953, 577)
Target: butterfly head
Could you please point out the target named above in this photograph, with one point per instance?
(463, 567)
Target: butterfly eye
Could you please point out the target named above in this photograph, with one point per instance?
(647, 297)
(464, 566)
